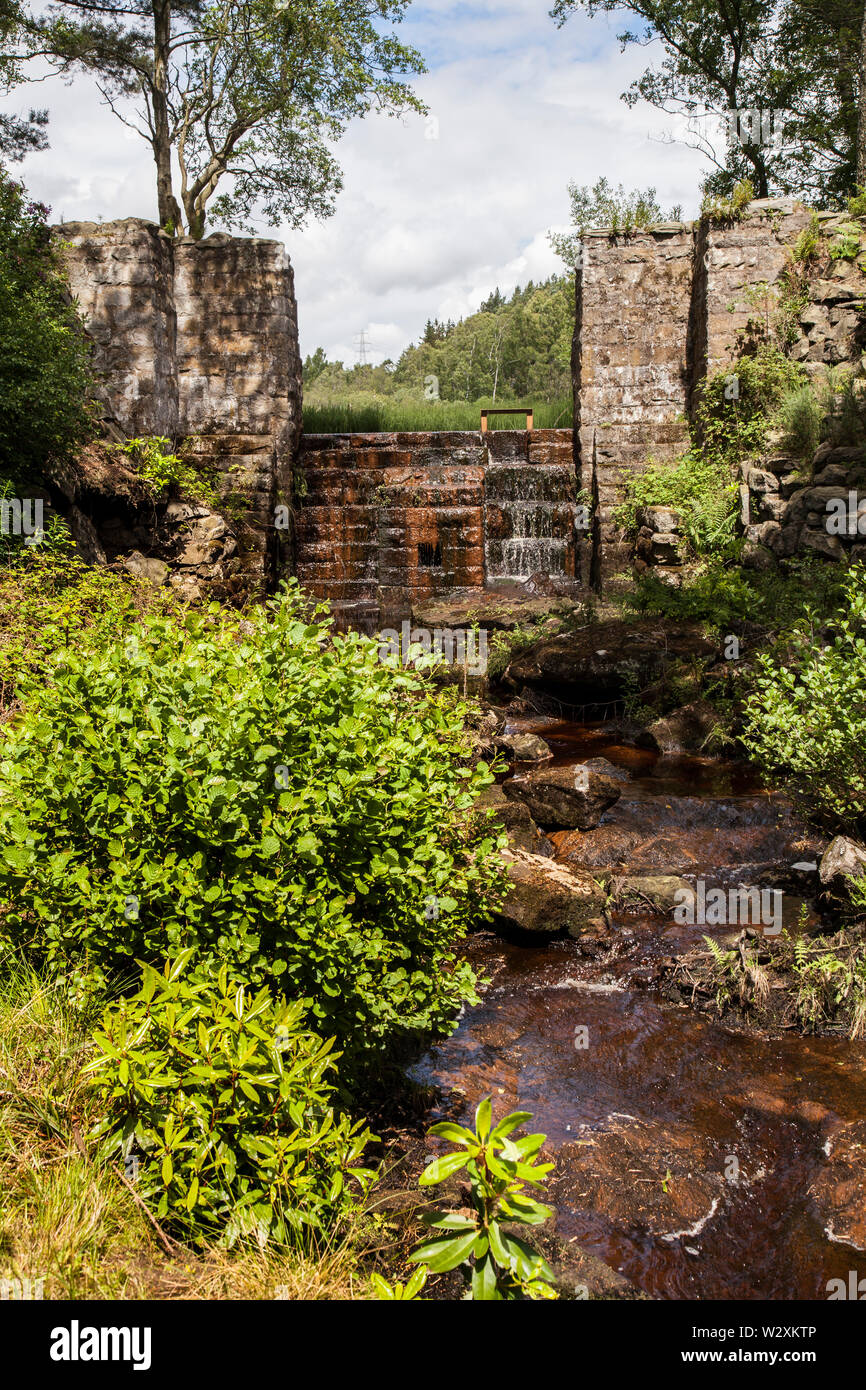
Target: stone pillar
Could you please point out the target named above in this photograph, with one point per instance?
(238, 370)
(631, 369)
(121, 273)
(730, 262)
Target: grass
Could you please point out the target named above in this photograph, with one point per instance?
(74, 1222)
(374, 414)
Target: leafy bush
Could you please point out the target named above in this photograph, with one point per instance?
(165, 473)
(729, 428)
(499, 1264)
(288, 803)
(227, 1099)
(806, 717)
(801, 418)
(846, 246)
(51, 601)
(700, 489)
(718, 208)
(44, 376)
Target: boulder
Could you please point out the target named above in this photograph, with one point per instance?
(524, 748)
(515, 819)
(842, 859)
(565, 798)
(145, 567)
(685, 730)
(546, 898)
(658, 890)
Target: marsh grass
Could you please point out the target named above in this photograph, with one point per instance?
(369, 414)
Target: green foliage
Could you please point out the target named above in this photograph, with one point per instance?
(368, 413)
(846, 246)
(604, 207)
(283, 800)
(397, 1291)
(228, 1099)
(256, 95)
(498, 1264)
(806, 716)
(730, 429)
(513, 351)
(727, 598)
(856, 204)
(807, 242)
(164, 473)
(725, 209)
(44, 371)
(703, 492)
(801, 419)
(830, 981)
(51, 602)
(798, 60)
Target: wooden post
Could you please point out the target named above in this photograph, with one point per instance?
(484, 422)
(529, 419)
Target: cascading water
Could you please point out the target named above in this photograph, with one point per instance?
(529, 518)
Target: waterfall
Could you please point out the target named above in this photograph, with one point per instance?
(529, 519)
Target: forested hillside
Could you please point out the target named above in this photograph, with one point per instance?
(513, 349)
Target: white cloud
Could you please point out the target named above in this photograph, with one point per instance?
(424, 227)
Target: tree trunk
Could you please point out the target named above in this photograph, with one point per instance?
(861, 107)
(169, 212)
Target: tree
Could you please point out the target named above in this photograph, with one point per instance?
(44, 357)
(243, 95)
(18, 134)
(796, 62)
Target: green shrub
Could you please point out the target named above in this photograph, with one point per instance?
(287, 802)
(728, 209)
(498, 1264)
(51, 601)
(801, 418)
(728, 428)
(221, 1103)
(703, 492)
(164, 473)
(846, 246)
(806, 717)
(44, 374)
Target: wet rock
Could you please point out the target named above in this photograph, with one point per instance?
(145, 567)
(515, 818)
(685, 730)
(843, 859)
(595, 663)
(839, 1190)
(660, 890)
(566, 798)
(545, 897)
(609, 769)
(524, 748)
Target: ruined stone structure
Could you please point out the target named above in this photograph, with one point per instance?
(197, 341)
(389, 520)
(656, 311)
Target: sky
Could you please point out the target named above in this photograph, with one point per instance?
(435, 211)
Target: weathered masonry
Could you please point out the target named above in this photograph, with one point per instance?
(391, 519)
(198, 340)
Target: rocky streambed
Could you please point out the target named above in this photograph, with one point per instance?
(692, 1160)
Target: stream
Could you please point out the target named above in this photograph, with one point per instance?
(692, 1159)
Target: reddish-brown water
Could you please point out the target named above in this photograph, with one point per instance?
(699, 1162)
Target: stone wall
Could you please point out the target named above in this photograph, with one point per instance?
(631, 367)
(197, 341)
(656, 311)
(389, 520)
